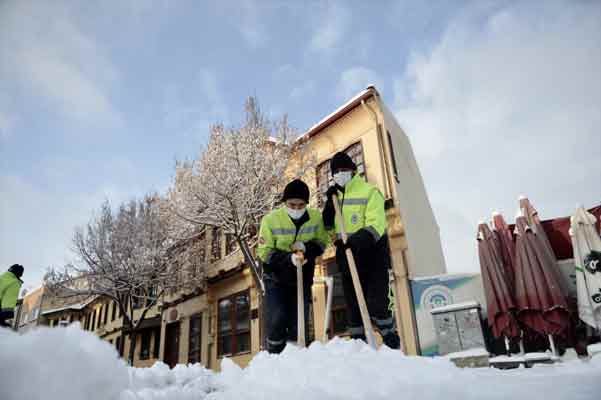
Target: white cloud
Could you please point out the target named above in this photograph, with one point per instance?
(192, 108)
(334, 20)
(249, 18)
(355, 79)
(505, 105)
(37, 224)
(6, 125)
(47, 54)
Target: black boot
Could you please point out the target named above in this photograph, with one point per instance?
(360, 336)
(275, 347)
(392, 340)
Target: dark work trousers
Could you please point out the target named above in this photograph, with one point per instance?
(281, 309)
(373, 263)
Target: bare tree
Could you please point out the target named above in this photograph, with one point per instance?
(236, 180)
(123, 256)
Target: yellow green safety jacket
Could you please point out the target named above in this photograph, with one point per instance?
(9, 291)
(278, 233)
(362, 208)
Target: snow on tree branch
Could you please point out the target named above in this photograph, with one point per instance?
(237, 178)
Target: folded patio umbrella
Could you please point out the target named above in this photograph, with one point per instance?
(506, 247)
(539, 299)
(529, 212)
(587, 258)
(499, 300)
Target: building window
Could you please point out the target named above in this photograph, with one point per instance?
(202, 247)
(118, 345)
(216, 244)
(93, 324)
(233, 324)
(324, 175)
(194, 339)
(114, 311)
(145, 344)
(391, 149)
(157, 343)
(230, 243)
(338, 323)
(100, 313)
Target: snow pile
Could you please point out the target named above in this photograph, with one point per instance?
(183, 382)
(70, 364)
(59, 363)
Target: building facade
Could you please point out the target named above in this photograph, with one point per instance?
(221, 318)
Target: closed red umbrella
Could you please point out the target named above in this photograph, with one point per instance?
(499, 300)
(533, 220)
(540, 302)
(506, 247)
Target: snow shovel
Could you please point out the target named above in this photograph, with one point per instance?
(369, 332)
(330, 284)
(300, 301)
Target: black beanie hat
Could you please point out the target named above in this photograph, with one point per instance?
(341, 160)
(17, 270)
(296, 189)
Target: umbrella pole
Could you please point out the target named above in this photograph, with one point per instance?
(552, 344)
(507, 346)
(522, 352)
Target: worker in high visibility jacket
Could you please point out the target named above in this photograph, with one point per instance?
(10, 283)
(290, 237)
(362, 207)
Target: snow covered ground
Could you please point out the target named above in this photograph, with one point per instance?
(71, 364)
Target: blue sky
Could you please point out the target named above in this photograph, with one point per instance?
(98, 99)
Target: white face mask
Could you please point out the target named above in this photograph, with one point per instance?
(343, 177)
(295, 214)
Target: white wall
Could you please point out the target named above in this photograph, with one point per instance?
(425, 256)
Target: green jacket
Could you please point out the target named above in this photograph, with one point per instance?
(362, 208)
(278, 232)
(9, 291)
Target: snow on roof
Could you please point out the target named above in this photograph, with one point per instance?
(506, 359)
(446, 277)
(77, 307)
(537, 356)
(477, 352)
(455, 307)
(333, 114)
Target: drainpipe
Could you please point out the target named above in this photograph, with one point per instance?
(383, 156)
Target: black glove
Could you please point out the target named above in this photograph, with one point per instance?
(340, 244)
(6, 315)
(314, 250)
(332, 190)
(360, 240)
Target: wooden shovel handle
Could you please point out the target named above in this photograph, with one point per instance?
(300, 301)
(369, 332)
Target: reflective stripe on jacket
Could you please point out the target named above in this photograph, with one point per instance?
(278, 232)
(9, 291)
